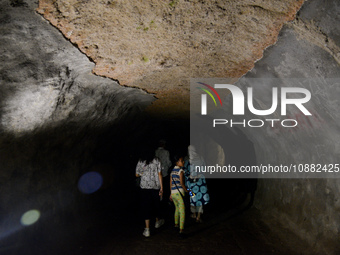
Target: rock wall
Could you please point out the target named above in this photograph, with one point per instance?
(308, 47)
(159, 46)
(53, 115)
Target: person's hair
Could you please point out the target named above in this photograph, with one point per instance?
(147, 155)
(162, 143)
(177, 157)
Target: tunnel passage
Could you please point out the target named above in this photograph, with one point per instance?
(83, 182)
(59, 121)
(177, 134)
(124, 150)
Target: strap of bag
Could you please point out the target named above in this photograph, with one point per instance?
(176, 186)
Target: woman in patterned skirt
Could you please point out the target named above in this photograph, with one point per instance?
(196, 183)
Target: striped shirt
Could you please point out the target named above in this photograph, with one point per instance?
(175, 180)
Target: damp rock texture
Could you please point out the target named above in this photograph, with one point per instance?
(307, 52)
(46, 81)
(160, 45)
(53, 111)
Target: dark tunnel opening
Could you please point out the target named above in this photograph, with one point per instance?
(229, 197)
(58, 159)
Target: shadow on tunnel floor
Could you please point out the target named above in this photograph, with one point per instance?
(110, 224)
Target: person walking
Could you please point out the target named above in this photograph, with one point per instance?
(164, 157)
(151, 183)
(178, 191)
(196, 183)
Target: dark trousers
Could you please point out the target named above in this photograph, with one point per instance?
(150, 203)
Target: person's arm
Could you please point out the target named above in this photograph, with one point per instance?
(181, 177)
(139, 169)
(160, 177)
(170, 187)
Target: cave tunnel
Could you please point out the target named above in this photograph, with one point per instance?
(72, 198)
(71, 133)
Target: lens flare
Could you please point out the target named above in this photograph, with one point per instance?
(30, 217)
(90, 182)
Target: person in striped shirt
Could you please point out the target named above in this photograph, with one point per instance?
(178, 190)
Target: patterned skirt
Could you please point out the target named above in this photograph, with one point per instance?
(201, 191)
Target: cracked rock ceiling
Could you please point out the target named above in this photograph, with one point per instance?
(159, 45)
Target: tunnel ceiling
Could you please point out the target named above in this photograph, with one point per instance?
(159, 45)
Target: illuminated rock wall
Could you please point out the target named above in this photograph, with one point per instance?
(307, 48)
(160, 45)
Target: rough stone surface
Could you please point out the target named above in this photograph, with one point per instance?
(306, 48)
(160, 45)
(46, 80)
(53, 112)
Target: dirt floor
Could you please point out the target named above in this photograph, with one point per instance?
(113, 227)
(222, 232)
